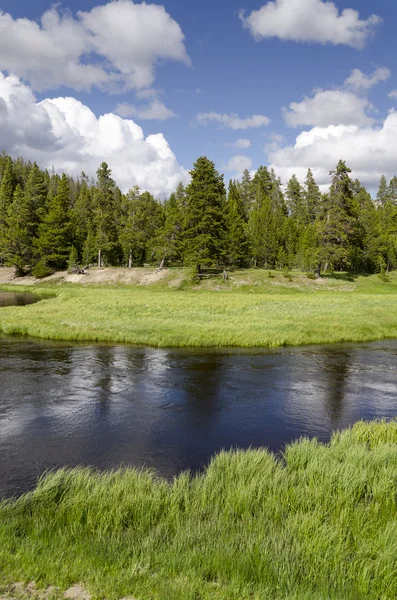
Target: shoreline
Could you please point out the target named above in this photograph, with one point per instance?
(318, 522)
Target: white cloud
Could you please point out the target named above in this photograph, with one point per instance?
(238, 164)
(358, 81)
(156, 110)
(233, 121)
(329, 107)
(370, 151)
(65, 134)
(115, 46)
(310, 21)
(242, 143)
(392, 94)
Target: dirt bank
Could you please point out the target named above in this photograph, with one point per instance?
(111, 276)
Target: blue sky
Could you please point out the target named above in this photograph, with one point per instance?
(212, 64)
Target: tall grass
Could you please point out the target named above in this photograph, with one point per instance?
(320, 523)
(263, 315)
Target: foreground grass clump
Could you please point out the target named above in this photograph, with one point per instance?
(319, 524)
(264, 313)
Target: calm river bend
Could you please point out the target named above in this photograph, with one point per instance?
(64, 404)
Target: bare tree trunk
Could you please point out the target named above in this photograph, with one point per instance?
(130, 260)
(99, 259)
(161, 267)
(225, 275)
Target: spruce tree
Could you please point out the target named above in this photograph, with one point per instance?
(383, 191)
(312, 196)
(338, 222)
(55, 233)
(104, 203)
(6, 196)
(262, 234)
(246, 191)
(236, 239)
(18, 237)
(170, 238)
(143, 219)
(295, 201)
(205, 216)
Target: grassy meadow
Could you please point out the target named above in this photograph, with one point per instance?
(250, 310)
(318, 523)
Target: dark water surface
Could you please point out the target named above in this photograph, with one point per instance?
(17, 299)
(85, 404)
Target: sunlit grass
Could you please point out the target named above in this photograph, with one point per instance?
(320, 523)
(261, 312)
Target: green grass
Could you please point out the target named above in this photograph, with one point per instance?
(251, 310)
(319, 523)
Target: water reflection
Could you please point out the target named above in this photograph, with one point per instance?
(17, 299)
(65, 404)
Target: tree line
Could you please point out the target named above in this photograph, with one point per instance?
(49, 222)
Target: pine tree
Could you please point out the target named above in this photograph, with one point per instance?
(246, 191)
(236, 239)
(55, 233)
(295, 201)
(337, 225)
(104, 202)
(392, 191)
(312, 196)
(170, 239)
(19, 238)
(36, 193)
(205, 216)
(383, 191)
(6, 197)
(262, 234)
(143, 219)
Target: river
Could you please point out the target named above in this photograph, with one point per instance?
(65, 404)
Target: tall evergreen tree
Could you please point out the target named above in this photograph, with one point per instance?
(55, 233)
(312, 197)
(104, 201)
(236, 239)
(246, 191)
(205, 216)
(337, 226)
(7, 187)
(19, 240)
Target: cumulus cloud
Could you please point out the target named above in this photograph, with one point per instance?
(242, 143)
(233, 121)
(156, 110)
(329, 107)
(370, 151)
(360, 82)
(310, 21)
(238, 164)
(115, 46)
(392, 94)
(65, 134)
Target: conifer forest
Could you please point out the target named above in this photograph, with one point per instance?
(51, 222)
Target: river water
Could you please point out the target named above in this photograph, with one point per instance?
(64, 404)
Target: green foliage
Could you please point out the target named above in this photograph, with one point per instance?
(73, 262)
(318, 523)
(205, 216)
(200, 226)
(55, 232)
(236, 238)
(42, 269)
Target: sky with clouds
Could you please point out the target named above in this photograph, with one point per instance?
(149, 87)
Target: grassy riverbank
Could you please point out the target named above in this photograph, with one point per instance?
(319, 524)
(250, 310)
